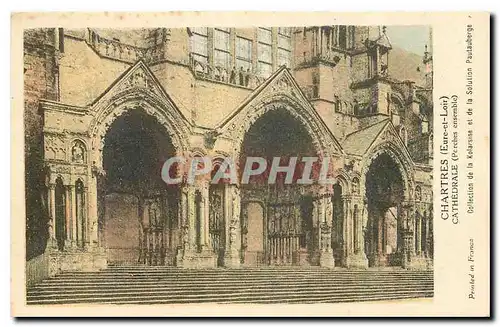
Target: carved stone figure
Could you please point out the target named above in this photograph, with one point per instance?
(236, 203)
(355, 186)
(418, 193)
(78, 152)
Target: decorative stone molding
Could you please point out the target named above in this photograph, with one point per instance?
(235, 77)
(211, 138)
(48, 105)
(342, 179)
(245, 120)
(280, 91)
(139, 99)
(127, 53)
(402, 160)
(55, 147)
(137, 89)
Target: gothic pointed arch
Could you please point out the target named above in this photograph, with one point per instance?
(342, 179)
(403, 163)
(375, 140)
(279, 92)
(136, 89)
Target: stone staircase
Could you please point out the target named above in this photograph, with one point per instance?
(156, 285)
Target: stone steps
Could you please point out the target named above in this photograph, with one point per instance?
(155, 285)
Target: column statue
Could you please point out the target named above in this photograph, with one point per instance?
(232, 252)
(325, 210)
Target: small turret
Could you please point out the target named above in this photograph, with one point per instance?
(428, 62)
(378, 51)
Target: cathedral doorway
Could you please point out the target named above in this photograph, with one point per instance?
(138, 220)
(384, 194)
(276, 218)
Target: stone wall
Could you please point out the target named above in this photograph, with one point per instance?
(40, 82)
(84, 75)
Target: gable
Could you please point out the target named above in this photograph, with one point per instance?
(358, 143)
(389, 134)
(138, 78)
(279, 87)
(363, 141)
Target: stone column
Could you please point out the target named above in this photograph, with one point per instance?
(360, 247)
(184, 247)
(93, 216)
(323, 211)
(94, 246)
(199, 221)
(345, 232)
(430, 241)
(67, 213)
(208, 241)
(409, 260)
(205, 216)
(190, 212)
(426, 240)
(356, 257)
(204, 211)
(52, 216)
(85, 218)
(189, 256)
(232, 207)
(417, 255)
(402, 234)
(347, 224)
(418, 235)
(74, 223)
(380, 240)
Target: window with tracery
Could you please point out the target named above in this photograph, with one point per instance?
(216, 51)
(264, 52)
(199, 44)
(243, 53)
(222, 54)
(285, 46)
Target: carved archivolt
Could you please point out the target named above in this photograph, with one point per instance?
(138, 98)
(59, 171)
(69, 158)
(323, 143)
(404, 164)
(342, 179)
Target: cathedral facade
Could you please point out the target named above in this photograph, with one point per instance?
(104, 109)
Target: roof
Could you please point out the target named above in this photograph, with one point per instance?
(359, 142)
(384, 41)
(377, 35)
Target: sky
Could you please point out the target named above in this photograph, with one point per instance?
(409, 38)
